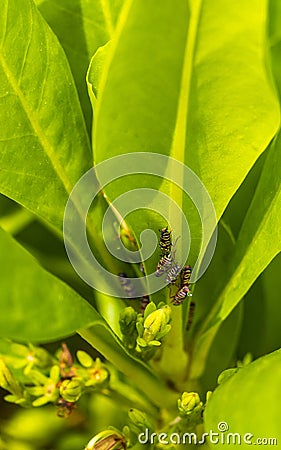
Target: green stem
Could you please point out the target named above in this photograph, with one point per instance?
(16, 221)
(143, 377)
(124, 393)
(174, 360)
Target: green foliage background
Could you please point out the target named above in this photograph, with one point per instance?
(199, 81)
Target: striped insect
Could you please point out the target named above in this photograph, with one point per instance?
(165, 241)
(164, 265)
(181, 295)
(190, 315)
(127, 285)
(144, 302)
(173, 274)
(185, 275)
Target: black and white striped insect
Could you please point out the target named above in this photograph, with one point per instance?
(144, 302)
(164, 265)
(127, 285)
(165, 241)
(185, 275)
(190, 315)
(181, 295)
(173, 274)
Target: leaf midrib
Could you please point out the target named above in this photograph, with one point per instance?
(179, 137)
(178, 147)
(48, 149)
(175, 337)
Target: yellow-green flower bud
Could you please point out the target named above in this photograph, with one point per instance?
(71, 390)
(127, 322)
(225, 375)
(156, 324)
(108, 439)
(248, 358)
(128, 315)
(84, 358)
(189, 403)
(139, 421)
(208, 396)
(7, 380)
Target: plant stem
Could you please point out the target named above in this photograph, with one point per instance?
(16, 221)
(142, 376)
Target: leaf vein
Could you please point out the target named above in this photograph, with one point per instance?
(27, 48)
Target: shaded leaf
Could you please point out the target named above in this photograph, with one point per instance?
(218, 127)
(271, 283)
(35, 305)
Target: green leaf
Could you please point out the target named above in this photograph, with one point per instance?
(81, 27)
(202, 90)
(255, 249)
(275, 41)
(43, 153)
(176, 88)
(43, 141)
(254, 409)
(36, 306)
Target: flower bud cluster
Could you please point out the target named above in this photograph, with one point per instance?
(33, 377)
(142, 333)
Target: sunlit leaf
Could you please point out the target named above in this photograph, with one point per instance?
(81, 27)
(254, 411)
(254, 250)
(42, 153)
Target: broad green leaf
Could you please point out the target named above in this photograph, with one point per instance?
(35, 305)
(254, 250)
(274, 40)
(81, 27)
(198, 92)
(201, 97)
(44, 147)
(248, 403)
